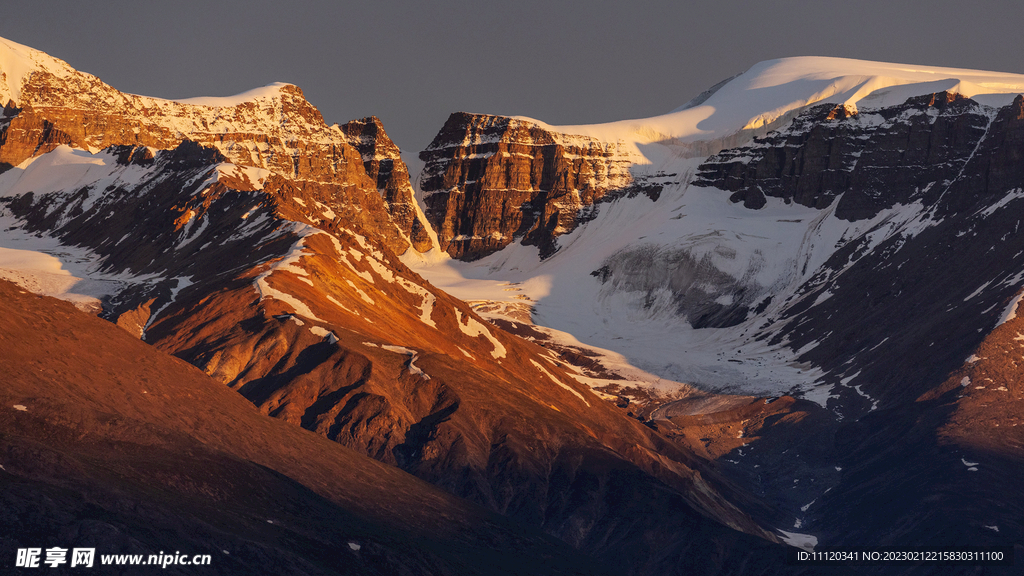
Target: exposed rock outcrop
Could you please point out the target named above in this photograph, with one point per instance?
(874, 159)
(492, 180)
(383, 162)
(274, 128)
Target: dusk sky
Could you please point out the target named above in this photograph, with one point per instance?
(413, 63)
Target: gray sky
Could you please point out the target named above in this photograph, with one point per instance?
(412, 63)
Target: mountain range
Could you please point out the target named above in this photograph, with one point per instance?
(782, 316)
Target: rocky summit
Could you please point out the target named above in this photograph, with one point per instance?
(779, 318)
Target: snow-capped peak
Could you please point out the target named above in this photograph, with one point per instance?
(773, 91)
(267, 92)
(18, 62)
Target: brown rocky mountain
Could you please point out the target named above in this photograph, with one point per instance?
(383, 163)
(281, 279)
(890, 310)
(334, 334)
(273, 128)
(848, 271)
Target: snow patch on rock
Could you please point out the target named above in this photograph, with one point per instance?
(1011, 310)
(472, 328)
(289, 262)
(797, 540)
(412, 354)
(325, 334)
(559, 382)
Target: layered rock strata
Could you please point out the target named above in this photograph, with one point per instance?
(874, 159)
(489, 181)
(273, 128)
(383, 162)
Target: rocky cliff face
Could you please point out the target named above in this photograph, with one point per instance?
(874, 159)
(947, 164)
(383, 163)
(492, 180)
(273, 128)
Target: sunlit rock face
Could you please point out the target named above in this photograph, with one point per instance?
(273, 128)
(490, 181)
(383, 162)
